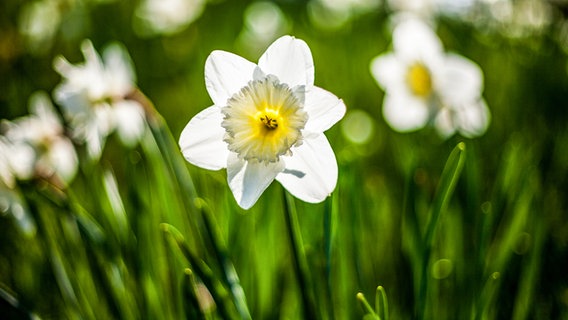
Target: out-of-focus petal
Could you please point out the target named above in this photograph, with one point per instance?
(249, 179)
(414, 40)
(289, 59)
(388, 71)
(474, 119)
(130, 124)
(104, 118)
(324, 109)
(445, 123)
(63, 159)
(311, 172)
(405, 113)
(6, 178)
(21, 160)
(225, 74)
(40, 105)
(459, 80)
(201, 140)
(119, 71)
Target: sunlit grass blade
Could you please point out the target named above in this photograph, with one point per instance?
(444, 192)
(192, 306)
(67, 254)
(486, 301)
(528, 279)
(220, 294)
(329, 223)
(227, 268)
(369, 311)
(11, 307)
(166, 193)
(381, 303)
(117, 214)
(300, 263)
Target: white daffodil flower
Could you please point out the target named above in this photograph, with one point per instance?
(37, 146)
(266, 122)
(94, 97)
(423, 84)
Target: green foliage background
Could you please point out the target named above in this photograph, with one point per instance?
(495, 248)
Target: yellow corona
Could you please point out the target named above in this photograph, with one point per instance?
(264, 120)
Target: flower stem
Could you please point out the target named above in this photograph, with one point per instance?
(300, 262)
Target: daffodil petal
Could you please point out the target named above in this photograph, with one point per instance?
(63, 159)
(289, 59)
(414, 40)
(129, 121)
(118, 65)
(405, 113)
(324, 109)
(249, 179)
(225, 74)
(475, 119)
(388, 71)
(311, 172)
(41, 105)
(201, 140)
(460, 80)
(445, 123)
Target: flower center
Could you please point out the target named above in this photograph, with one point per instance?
(264, 120)
(419, 80)
(270, 123)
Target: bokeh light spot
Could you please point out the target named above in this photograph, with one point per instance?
(357, 126)
(442, 269)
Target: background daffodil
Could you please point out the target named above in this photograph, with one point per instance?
(95, 97)
(423, 84)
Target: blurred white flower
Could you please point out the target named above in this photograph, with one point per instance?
(6, 176)
(11, 201)
(37, 146)
(166, 16)
(424, 84)
(94, 97)
(267, 123)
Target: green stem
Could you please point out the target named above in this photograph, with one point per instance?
(300, 261)
(328, 240)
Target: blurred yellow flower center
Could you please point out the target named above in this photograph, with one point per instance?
(264, 120)
(419, 80)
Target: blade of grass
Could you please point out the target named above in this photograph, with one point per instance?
(370, 312)
(381, 303)
(300, 262)
(330, 210)
(192, 308)
(219, 293)
(227, 268)
(444, 192)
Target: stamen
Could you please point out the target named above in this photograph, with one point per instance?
(269, 122)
